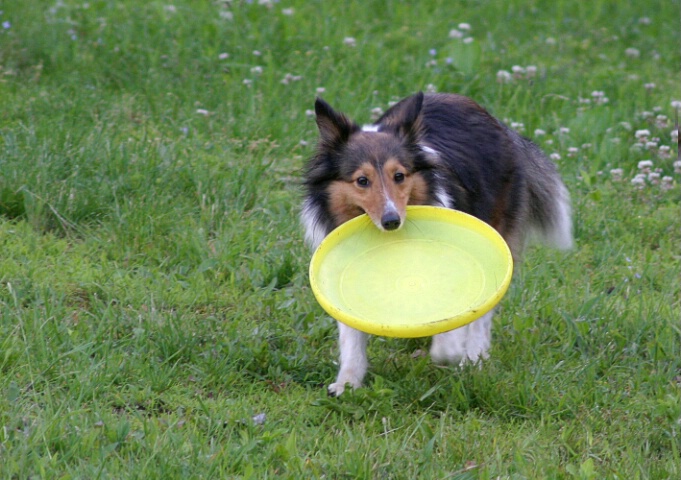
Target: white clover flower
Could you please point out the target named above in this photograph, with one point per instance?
(520, 127)
(309, 113)
(645, 166)
(645, 21)
(202, 111)
(661, 121)
(350, 42)
(639, 181)
(664, 151)
(586, 146)
(677, 166)
(632, 52)
(503, 76)
(572, 151)
(649, 86)
(223, 56)
(676, 104)
(518, 71)
(376, 113)
(555, 157)
(616, 174)
(287, 11)
(539, 132)
(531, 71)
(454, 33)
(667, 183)
(468, 40)
(642, 135)
(430, 88)
(464, 26)
(675, 135)
(247, 81)
(303, 143)
(257, 70)
(654, 178)
(563, 130)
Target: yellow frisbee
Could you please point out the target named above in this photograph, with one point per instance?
(441, 270)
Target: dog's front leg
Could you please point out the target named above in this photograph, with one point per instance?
(353, 359)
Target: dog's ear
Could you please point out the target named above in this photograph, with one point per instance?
(404, 118)
(334, 127)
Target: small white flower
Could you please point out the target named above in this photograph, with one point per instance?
(520, 127)
(287, 11)
(226, 15)
(645, 166)
(202, 111)
(667, 183)
(649, 86)
(677, 166)
(531, 71)
(303, 143)
(563, 130)
(664, 151)
(616, 174)
(639, 181)
(654, 178)
(518, 71)
(430, 88)
(309, 113)
(572, 151)
(320, 90)
(539, 132)
(676, 104)
(644, 21)
(503, 76)
(455, 34)
(247, 81)
(675, 135)
(350, 42)
(555, 157)
(223, 56)
(257, 70)
(376, 113)
(257, 53)
(551, 41)
(464, 26)
(642, 135)
(632, 52)
(170, 8)
(468, 40)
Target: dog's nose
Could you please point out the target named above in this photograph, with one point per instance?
(390, 221)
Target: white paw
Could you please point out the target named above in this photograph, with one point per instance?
(338, 387)
(470, 343)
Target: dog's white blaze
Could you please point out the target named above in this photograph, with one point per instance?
(370, 128)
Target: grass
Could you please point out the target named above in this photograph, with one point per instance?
(155, 316)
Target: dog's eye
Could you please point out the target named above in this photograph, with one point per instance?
(399, 177)
(363, 181)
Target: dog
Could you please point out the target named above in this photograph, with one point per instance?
(435, 149)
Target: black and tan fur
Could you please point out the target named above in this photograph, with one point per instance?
(436, 149)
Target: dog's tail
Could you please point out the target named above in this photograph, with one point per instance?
(550, 211)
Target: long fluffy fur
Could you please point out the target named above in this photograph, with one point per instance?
(462, 158)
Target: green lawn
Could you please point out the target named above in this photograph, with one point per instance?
(155, 316)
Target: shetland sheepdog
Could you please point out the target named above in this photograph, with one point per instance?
(435, 149)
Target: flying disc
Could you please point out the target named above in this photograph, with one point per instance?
(440, 271)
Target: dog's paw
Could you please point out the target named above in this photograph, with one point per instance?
(337, 388)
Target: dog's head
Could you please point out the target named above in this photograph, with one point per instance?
(378, 169)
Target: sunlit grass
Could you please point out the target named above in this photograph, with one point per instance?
(155, 316)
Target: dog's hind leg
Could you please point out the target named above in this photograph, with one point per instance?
(469, 343)
(353, 359)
